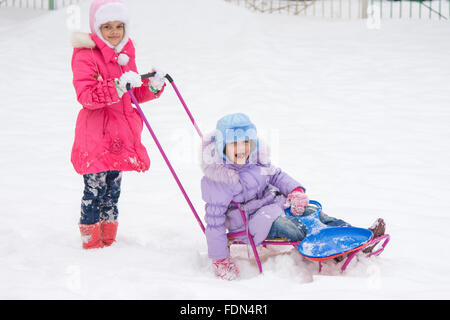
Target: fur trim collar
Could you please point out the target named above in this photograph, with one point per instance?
(82, 40)
(214, 167)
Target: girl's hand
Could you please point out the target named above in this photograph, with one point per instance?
(225, 269)
(297, 200)
(131, 77)
(157, 81)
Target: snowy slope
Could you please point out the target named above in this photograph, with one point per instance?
(359, 116)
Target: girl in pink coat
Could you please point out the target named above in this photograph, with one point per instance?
(108, 128)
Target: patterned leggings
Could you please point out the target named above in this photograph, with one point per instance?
(100, 197)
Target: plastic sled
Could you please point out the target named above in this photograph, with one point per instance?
(325, 242)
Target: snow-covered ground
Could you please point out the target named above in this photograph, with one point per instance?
(360, 116)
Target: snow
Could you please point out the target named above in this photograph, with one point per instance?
(360, 116)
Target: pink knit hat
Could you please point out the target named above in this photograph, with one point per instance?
(103, 11)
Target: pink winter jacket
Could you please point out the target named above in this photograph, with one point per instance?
(108, 129)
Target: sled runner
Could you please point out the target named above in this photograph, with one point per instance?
(232, 239)
(322, 242)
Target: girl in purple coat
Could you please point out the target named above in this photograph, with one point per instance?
(237, 169)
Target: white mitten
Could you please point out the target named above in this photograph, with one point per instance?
(131, 77)
(157, 81)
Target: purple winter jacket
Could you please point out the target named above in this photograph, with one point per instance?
(259, 188)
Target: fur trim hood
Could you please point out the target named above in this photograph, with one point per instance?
(103, 11)
(81, 40)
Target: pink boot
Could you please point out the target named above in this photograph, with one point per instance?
(109, 231)
(91, 236)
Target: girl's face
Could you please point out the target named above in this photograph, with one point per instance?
(113, 32)
(238, 152)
